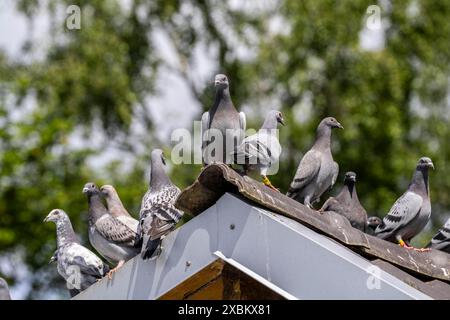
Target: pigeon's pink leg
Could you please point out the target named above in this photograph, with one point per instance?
(112, 271)
(404, 245)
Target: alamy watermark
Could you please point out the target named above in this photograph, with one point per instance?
(73, 19)
(373, 20)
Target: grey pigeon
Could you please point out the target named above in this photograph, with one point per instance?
(372, 223)
(441, 241)
(79, 266)
(346, 203)
(223, 127)
(114, 240)
(4, 290)
(260, 151)
(317, 171)
(158, 215)
(411, 212)
(116, 208)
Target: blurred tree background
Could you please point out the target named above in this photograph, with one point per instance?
(91, 91)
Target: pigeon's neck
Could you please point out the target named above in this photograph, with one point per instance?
(323, 138)
(270, 123)
(158, 177)
(115, 206)
(96, 208)
(64, 233)
(419, 183)
(350, 191)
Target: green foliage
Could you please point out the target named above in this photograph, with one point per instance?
(393, 102)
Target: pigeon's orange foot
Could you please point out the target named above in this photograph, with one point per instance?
(114, 270)
(267, 182)
(404, 245)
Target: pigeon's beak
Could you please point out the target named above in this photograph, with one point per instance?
(46, 219)
(216, 83)
(281, 121)
(85, 190)
(431, 165)
(340, 126)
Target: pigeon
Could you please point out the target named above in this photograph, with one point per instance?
(259, 151)
(4, 290)
(114, 240)
(346, 203)
(411, 212)
(158, 215)
(223, 127)
(371, 224)
(441, 241)
(79, 266)
(317, 171)
(116, 208)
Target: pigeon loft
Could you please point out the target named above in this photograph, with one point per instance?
(247, 241)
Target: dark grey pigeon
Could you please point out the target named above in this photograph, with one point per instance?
(346, 203)
(411, 212)
(317, 171)
(260, 151)
(222, 118)
(114, 240)
(441, 241)
(79, 266)
(116, 208)
(372, 223)
(4, 290)
(158, 215)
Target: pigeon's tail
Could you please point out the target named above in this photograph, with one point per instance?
(105, 269)
(152, 249)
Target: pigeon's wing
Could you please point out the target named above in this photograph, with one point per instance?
(164, 219)
(442, 238)
(86, 260)
(330, 205)
(242, 125)
(115, 231)
(335, 173)
(307, 169)
(404, 210)
(254, 150)
(204, 128)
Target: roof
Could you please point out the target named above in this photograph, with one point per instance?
(247, 235)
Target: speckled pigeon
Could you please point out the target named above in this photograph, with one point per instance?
(411, 212)
(372, 223)
(4, 290)
(79, 266)
(441, 241)
(317, 171)
(114, 240)
(346, 203)
(260, 151)
(158, 215)
(116, 208)
(222, 118)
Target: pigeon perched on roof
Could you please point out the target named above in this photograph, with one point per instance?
(371, 224)
(158, 215)
(79, 266)
(114, 240)
(317, 171)
(223, 127)
(441, 241)
(411, 212)
(346, 203)
(116, 208)
(4, 290)
(260, 151)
